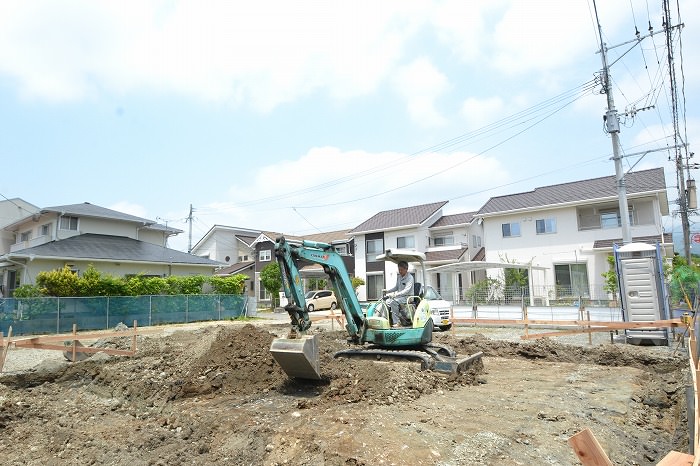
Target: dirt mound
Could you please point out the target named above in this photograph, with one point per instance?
(215, 396)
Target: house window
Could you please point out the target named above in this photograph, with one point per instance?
(375, 284)
(25, 236)
(45, 229)
(374, 247)
(265, 255)
(68, 223)
(405, 242)
(546, 225)
(444, 240)
(572, 279)
(341, 249)
(612, 218)
(242, 258)
(476, 241)
(510, 229)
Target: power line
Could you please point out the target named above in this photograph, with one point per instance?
(508, 123)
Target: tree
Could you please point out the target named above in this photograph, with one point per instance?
(60, 282)
(684, 281)
(317, 284)
(228, 285)
(271, 280)
(610, 284)
(356, 283)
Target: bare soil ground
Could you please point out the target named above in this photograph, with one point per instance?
(214, 395)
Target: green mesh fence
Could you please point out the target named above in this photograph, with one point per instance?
(31, 316)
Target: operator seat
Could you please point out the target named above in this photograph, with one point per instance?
(414, 299)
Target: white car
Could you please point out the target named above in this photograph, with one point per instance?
(439, 308)
(320, 299)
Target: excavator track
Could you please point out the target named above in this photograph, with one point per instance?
(429, 357)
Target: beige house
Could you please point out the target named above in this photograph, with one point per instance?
(80, 235)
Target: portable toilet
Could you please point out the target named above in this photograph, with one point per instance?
(642, 290)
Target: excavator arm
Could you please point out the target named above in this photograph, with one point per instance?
(292, 256)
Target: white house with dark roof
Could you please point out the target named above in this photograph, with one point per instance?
(568, 229)
(443, 238)
(227, 244)
(79, 235)
(248, 251)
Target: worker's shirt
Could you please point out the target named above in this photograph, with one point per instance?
(403, 288)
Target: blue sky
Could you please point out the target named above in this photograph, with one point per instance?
(309, 116)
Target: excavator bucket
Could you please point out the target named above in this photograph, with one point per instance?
(298, 357)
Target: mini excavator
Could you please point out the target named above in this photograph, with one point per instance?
(368, 335)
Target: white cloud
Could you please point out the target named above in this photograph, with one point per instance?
(481, 112)
(326, 198)
(421, 84)
(258, 54)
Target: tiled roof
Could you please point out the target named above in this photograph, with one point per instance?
(90, 210)
(480, 255)
(330, 237)
(235, 268)
(607, 243)
(406, 216)
(449, 254)
(596, 188)
(455, 219)
(108, 247)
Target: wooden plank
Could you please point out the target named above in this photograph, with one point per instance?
(559, 333)
(588, 450)
(693, 346)
(696, 439)
(675, 458)
(572, 323)
(86, 336)
(78, 349)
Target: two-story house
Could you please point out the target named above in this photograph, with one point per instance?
(255, 249)
(265, 253)
(567, 230)
(12, 210)
(443, 239)
(226, 244)
(80, 235)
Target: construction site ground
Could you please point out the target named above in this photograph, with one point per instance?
(212, 394)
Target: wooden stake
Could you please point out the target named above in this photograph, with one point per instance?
(6, 347)
(590, 335)
(75, 339)
(526, 322)
(133, 339)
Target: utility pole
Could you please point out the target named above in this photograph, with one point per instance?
(189, 220)
(686, 198)
(612, 123)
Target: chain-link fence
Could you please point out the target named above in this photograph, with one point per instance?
(33, 316)
(498, 294)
